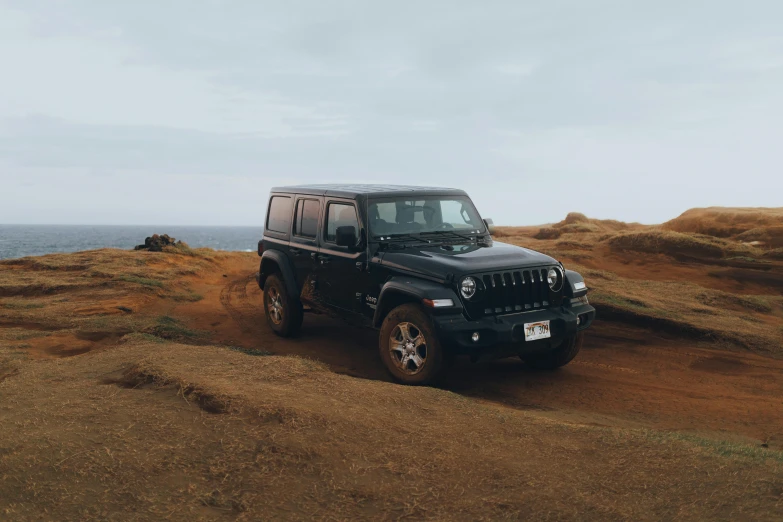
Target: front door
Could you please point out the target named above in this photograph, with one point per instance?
(304, 243)
(342, 271)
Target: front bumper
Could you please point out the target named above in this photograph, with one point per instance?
(504, 335)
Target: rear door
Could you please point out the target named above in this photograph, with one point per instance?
(342, 274)
(303, 247)
(279, 216)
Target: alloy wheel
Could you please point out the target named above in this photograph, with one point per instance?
(274, 306)
(408, 348)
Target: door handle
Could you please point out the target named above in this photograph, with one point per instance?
(324, 260)
(294, 251)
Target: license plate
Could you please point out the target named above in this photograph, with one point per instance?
(539, 330)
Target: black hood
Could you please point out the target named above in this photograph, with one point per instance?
(438, 261)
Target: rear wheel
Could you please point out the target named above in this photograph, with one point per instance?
(283, 313)
(558, 357)
(409, 347)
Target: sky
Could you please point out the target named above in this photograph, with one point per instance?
(188, 112)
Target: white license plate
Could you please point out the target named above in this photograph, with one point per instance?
(539, 330)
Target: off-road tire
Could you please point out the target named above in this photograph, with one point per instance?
(558, 357)
(415, 315)
(291, 311)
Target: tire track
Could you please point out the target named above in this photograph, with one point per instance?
(324, 339)
(234, 299)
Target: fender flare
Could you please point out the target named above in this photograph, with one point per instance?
(571, 279)
(412, 289)
(287, 271)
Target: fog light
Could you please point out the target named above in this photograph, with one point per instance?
(475, 337)
(578, 320)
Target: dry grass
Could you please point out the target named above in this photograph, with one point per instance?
(144, 281)
(511, 232)
(59, 274)
(548, 233)
(154, 420)
(777, 253)
(574, 223)
(725, 222)
(167, 327)
(771, 236)
(99, 289)
(203, 432)
(656, 241)
(17, 304)
(695, 310)
(721, 319)
(754, 303)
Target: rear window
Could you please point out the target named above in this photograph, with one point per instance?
(279, 215)
(307, 211)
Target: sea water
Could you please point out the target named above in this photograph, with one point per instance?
(36, 240)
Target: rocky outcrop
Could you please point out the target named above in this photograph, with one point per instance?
(156, 243)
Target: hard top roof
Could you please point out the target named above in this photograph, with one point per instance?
(353, 190)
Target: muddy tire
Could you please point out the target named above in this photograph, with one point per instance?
(283, 313)
(558, 357)
(409, 347)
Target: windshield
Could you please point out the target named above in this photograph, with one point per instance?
(403, 215)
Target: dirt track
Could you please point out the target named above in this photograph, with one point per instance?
(624, 376)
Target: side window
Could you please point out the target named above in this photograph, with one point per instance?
(306, 224)
(278, 218)
(340, 215)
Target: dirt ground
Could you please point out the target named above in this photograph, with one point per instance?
(147, 386)
(626, 376)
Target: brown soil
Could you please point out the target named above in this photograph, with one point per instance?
(139, 389)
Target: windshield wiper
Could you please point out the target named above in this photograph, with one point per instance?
(449, 234)
(400, 238)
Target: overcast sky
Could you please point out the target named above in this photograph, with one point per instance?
(188, 112)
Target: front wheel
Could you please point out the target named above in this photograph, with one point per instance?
(409, 347)
(558, 357)
(283, 313)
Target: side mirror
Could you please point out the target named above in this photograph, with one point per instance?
(490, 226)
(346, 236)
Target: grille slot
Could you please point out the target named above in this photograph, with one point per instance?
(516, 291)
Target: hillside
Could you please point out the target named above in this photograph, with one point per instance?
(147, 384)
(730, 222)
(692, 284)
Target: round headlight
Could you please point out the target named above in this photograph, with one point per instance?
(555, 279)
(468, 287)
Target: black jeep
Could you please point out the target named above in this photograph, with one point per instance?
(419, 264)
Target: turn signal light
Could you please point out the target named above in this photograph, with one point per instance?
(438, 303)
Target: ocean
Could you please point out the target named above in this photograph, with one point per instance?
(36, 240)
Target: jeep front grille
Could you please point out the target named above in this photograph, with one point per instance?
(516, 291)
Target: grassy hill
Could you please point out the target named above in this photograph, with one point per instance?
(146, 386)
